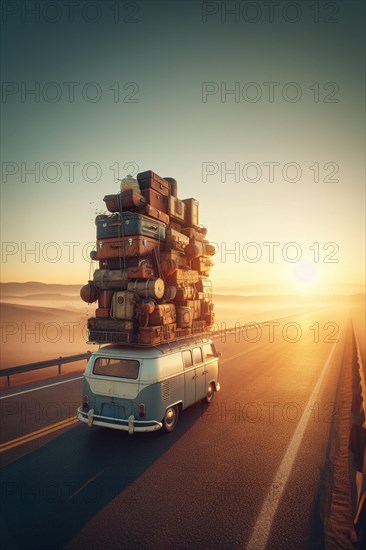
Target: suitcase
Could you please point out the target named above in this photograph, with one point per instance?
(112, 337)
(175, 225)
(196, 306)
(184, 316)
(163, 314)
(110, 279)
(118, 247)
(186, 292)
(151, 288)
(176, 209)
(129, 223)
(140, 272)
(192, 213)
(105, 299)
(202, 265)
(157, 334)
(155, 199)
(195, 234)
(184, 277)
(175, 240)
(199, 326)
(102, 312)
(180, 259)
(121, 263)
(152, 212)
(150, 180)
(110, 324)
(123, 201)
(123, 305)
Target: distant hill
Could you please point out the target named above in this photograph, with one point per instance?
(34, 287)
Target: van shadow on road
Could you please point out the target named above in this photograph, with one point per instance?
(48, 495)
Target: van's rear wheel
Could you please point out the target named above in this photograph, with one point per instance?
(171, 418)
(210, 393)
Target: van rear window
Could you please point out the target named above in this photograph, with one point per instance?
(121, 368)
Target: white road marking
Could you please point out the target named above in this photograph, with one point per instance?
(41, 387)
(262, 528)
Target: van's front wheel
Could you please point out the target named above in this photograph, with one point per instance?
(210, 393)
(171, 418)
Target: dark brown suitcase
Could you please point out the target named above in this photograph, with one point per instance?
(110, 324)
(125, 247)
(149, 210)
(112, 337)
(150, 180)
(155, 199)
(140, 272)
(124, 201)
(121, 263)
(105, 299)
(157, 334)
(163, 314)
(192, 213)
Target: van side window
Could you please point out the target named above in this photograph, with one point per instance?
(122, 368)
(197, 356)
(187, 359)
(208, 351)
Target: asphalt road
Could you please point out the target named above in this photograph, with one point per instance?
(246, 471)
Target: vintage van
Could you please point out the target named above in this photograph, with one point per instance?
(141, 389)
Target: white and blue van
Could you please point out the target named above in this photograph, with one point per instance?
(139, 389)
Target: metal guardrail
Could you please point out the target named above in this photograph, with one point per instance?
(10, 371)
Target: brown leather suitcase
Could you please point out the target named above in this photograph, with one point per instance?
(163, 314)
(186, 292)
(175, 240)
(150, 180)
(155, 199)
(149, 210)
(176, 209)
(105, 299)
(192, 213)
(125, 247)
(196, 306)
(102, 312)
(180, 259)
(157, 334)
(124, 201)
(140, 272)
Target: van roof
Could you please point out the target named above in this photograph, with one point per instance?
(150, 351)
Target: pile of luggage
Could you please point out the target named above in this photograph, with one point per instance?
(152, 284)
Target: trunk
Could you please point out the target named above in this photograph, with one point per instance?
(157, 334)
(130, 223)
(125, 247)
(192, 213)
(140, 272)
(152, 212)
(110, 279)
(123, 201)
(155, 199)
(163, 314)
(184, 317)
(150, 180)
(175, 240)
(176, 209)
(123, 305)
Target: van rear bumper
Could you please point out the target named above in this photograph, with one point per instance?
(130, 425)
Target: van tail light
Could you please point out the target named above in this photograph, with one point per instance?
(141, 410)
(85, 402)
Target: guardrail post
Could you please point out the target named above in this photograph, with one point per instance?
(59, 366)
(8, 379)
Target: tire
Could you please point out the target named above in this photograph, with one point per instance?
(171, 418)
(210, 393)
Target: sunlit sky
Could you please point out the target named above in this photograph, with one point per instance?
(168, 50)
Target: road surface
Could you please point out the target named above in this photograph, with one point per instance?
(247, 471)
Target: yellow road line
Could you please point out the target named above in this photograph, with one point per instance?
(37, 434)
